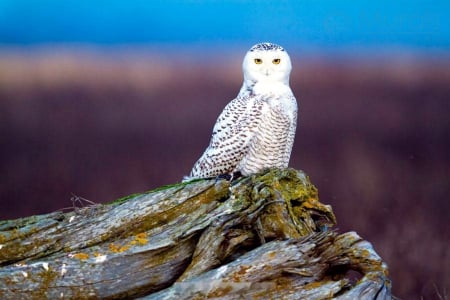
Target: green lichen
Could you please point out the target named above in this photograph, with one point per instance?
(46, 282)
(125, 199)
(213, 194)
(280, 189)
(158, 189)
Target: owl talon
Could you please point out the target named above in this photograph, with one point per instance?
(236, 175)
(230, 177)
(226, 176)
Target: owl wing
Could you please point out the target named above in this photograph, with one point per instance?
(232, 133)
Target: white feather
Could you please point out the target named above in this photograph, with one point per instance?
(256, 130)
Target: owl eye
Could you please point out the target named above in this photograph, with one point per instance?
(276, 61)
(258, 61)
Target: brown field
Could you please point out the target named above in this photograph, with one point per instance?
(373, 135)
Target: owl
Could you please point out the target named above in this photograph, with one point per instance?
(256, 130)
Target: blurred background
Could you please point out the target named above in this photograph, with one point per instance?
(101, 99)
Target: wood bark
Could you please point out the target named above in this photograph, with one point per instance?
(266, 236)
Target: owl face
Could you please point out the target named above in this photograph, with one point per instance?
(267, 62)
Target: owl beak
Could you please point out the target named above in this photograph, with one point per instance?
(267, 72)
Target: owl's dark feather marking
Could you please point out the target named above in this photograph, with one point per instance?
(266, 47)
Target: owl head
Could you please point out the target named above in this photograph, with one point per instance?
(267, 62)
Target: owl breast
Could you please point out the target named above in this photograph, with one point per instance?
(273, 140)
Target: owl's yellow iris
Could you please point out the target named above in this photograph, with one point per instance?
(276, 61)
(258, 61)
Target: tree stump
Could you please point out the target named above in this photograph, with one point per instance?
(265, 236)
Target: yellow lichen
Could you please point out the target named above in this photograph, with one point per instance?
(118, 248)
(313, 285)
(220, 291)
(141, 238)
(81, 256)
(365, 253)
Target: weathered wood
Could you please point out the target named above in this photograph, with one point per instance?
(303, 268)
(264, 236)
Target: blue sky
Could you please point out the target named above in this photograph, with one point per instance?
(315, 23)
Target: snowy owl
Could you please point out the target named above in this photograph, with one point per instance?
(256, 130)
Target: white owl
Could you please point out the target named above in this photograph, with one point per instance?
(256, 130)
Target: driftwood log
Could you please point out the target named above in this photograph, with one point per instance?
(265, 236)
